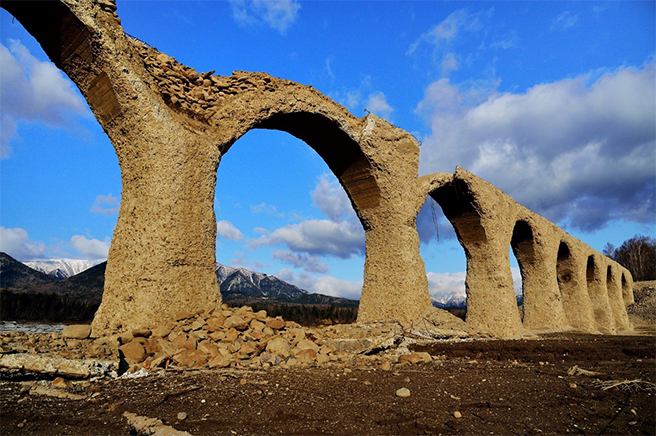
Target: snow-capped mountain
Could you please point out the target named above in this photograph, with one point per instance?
(62, 268)
(239, 284)
(253, 284)
(451, 301)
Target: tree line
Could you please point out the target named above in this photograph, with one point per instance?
(637, 254)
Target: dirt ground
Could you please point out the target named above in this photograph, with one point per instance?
(480, 387)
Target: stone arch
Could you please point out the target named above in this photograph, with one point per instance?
(490, 307)
(595, 275)
(460, 208)
(342, 154)
(573, 290)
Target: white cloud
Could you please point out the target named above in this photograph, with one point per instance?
(377, 103)
(448, 30)
(277, 14)
(106, 205)
(341, 235)
(326, 285)
(330, 197)
(302, 260)
(34, 91)
(318, 237)
(578, 150)
(227, 230)
(91, 248)
(564, 21)
(16, 243)
(443, 286)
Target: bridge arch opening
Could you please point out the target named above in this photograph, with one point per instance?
(296, 221)
(339, 151)
(522, 245)
(459, 207)
(566, 283)
(590, 269)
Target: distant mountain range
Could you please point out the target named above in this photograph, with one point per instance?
(237, 285)
(62, 268)
(454, 301)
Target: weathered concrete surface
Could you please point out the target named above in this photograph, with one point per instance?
(565, 282)
(170, 126)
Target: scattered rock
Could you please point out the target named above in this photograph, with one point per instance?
(182, 416)
(133, 352)
(279, 346)
(403, 392)
(77, 331)
(59, 382)
(457, 414)
(143, 425)
(275, 324)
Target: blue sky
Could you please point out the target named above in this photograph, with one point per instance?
(553, 102)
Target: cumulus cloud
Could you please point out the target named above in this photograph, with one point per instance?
(106, 205)
(341, 235)
(301, 260)
(326, 285)
(16, 243)
(34, 91)
(579, 151)
(91, 248)
(227, 230)
(277, 14)
(318, 237)
(443, 286)
(377, 103)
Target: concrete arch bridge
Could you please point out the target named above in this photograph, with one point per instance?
(170, 126)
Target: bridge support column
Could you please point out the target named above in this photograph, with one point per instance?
(570, 268)
(536, 255)
(395, 284)
(491, 302)
(162, 255)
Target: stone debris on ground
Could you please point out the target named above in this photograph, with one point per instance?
(220, 337)
(143, 425)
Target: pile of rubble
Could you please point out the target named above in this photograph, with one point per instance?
(193, 93)
(216, 338)
(224, 337)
